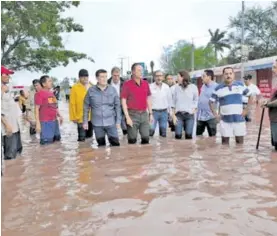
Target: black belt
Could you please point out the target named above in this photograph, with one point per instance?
(159, 110)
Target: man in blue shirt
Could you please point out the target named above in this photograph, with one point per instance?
(229, 94)
(205, 117)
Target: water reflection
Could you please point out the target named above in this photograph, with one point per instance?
(167, 188)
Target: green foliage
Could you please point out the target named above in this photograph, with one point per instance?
(260, 33)
(178, 56)
(31, 35)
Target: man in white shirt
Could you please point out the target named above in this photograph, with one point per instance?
(255, 95)
(161, 103)
(117, 82)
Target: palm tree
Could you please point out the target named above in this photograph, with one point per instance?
(218, 41)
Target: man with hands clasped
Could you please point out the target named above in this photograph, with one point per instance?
(229, 95)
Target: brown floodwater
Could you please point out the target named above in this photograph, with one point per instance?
(169, 188)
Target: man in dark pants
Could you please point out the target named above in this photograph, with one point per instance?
(76, 105)
(117, 82)
(104, 103)
(205, 117)
(136, 101)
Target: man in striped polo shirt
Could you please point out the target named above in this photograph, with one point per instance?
(229, 94)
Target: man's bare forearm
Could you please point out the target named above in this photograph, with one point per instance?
(37, 114)
(250, 101)
(211, 104)
(125, 108)
(149, 105)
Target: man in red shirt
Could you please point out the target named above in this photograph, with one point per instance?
(47, 113)
(136, 101)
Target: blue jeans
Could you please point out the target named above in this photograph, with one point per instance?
(50, 132)
(160, 117)
(111, 131)
(186, 121)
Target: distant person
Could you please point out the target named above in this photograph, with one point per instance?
(184, 105)
(22, 101)
(255, 95)
(161, 104)
(117, 82)
(272, 109)
(205, 117)
(30, 106)
(229, 95)
(47, 114)
(136, 101)
(103, 102)
(57, 91)
(67, 94)
(9, 118)
(76, 105)
(169, 80)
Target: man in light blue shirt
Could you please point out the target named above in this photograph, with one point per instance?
(205, 117)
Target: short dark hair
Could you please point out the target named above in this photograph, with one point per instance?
(228, 67)
(101, 71)
(134, 66)
(35, 81)
(210, 73)
(21, 92)
(43, 79)
(83, 73)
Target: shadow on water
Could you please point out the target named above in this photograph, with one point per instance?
(170, 187)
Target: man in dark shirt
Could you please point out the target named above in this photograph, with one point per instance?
(136, 101)
(103, 101)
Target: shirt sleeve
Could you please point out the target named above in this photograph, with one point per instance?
(174, 98)
(124, 91)
(148, 90)
(246, 92)
(117, 107)
(86, 108)
(195, 97)
(214, 97)
(38, 99)
(72, 105)
(169, 99)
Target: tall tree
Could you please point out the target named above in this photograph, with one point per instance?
(218, 41)
(260, 33)
(179, 57)
(31, 35)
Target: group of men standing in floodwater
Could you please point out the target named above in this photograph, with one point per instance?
(135, 107)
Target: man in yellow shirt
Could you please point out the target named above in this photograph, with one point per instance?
(76, 104)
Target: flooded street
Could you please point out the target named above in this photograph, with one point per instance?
(169, 188)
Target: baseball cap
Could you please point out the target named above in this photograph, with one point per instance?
(6, 71)
(83, 73)
(247, 77)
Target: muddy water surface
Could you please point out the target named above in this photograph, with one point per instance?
(170, 187)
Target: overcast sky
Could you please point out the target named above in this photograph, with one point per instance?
(138, 30)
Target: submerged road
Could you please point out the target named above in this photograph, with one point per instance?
(169, 188)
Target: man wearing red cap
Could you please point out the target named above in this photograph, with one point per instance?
(9, 118)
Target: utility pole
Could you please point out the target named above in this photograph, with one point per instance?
(192, 54)
(243, 53)
(121, 64)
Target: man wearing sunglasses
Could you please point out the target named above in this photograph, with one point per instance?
(255, 94)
